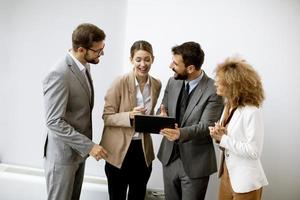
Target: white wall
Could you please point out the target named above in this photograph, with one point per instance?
(266, 33)
(35, 34)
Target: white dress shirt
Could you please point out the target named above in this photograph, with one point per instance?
(193, 83)
(143, 99)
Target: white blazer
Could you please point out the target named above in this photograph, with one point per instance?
(243, 146)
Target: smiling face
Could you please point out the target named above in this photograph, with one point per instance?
(141, 62)
(177, 65)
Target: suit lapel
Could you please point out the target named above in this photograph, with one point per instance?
(154, 89)
(195, 97)
(233, 121)
(78, 74)
(132, 89)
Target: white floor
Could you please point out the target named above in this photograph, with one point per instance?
(19, 183)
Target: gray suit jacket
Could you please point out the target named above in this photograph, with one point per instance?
(195, 144)
(68, 109)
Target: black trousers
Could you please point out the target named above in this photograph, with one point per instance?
(134, 175)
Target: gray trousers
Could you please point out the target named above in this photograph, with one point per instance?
(178, 186)
(64, 181)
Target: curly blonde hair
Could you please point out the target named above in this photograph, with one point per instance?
(243, 84)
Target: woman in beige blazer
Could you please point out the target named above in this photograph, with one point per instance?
(130, 154)
(240, 131)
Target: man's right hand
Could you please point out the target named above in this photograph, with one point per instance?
(98, 152)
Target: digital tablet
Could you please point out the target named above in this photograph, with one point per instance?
(152, 123)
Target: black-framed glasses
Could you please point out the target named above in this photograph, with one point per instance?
(98, 51)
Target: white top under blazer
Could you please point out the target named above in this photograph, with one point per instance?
(243, 146)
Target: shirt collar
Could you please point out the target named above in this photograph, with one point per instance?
(194, 83)
(137, 83)
(79, 64)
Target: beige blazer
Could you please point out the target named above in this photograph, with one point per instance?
(243, 146)
(117, 133)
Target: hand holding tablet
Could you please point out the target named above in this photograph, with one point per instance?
(152, 123)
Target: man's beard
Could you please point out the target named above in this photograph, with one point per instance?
(92, 61)
(183, 76)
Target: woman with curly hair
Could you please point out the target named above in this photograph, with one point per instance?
(240, 131)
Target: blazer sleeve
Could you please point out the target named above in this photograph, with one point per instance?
(252, 131)
(111, 115)
(211, 114)
(56, 94)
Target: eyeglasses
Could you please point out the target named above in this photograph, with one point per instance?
(98, 51)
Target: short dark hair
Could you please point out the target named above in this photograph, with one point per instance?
(191, 53)
(85, 34)
(141, 45)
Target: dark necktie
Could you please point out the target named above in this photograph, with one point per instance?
(91, 86)
(184, 101)
(186, 94)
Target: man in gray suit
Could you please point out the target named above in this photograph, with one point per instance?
(186, 152)
(69, 99)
